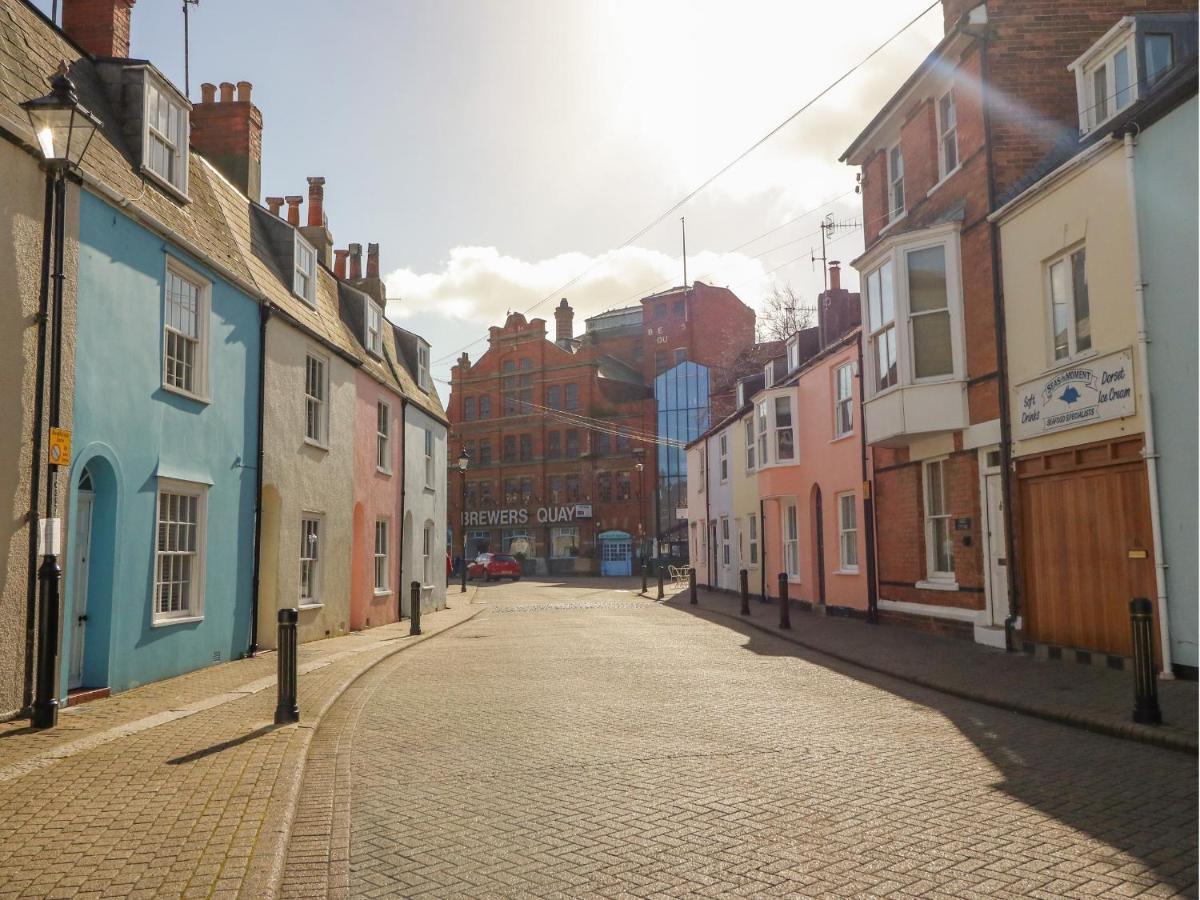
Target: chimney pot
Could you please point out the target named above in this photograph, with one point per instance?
(230, 137)
(226, 92)
(208, 93)
(564, 321)
(274, 204)
(372, 260)
(293, 213)
(835, 275)
(355, 262)
(339, 265)
(101, 27)
(243, 91)
(316, 201)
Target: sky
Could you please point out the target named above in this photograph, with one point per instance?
(498, 149)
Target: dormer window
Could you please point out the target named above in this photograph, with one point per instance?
(423, 366)
(895, 168)
(1110, 76)
(1109, 88)
(769, 374)
(1158, 55)
(374, 328)
(793, 355)
(741, 394)
(165, 135)
(304, 281)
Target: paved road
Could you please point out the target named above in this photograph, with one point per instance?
(574, 740)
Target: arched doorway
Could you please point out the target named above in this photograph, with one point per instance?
(818, 543)
(91, 555)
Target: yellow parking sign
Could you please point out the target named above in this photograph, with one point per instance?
(60, 447)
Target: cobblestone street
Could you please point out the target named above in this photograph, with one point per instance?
(578, 740)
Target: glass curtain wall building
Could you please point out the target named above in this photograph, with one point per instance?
(681, 398)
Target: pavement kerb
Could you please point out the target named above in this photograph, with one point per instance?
(1130, 732)
(264, 874)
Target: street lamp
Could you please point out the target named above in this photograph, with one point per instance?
(464, 460)
(64, 130)
(640, 454)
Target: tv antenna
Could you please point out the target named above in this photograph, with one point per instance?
(187, 46)
(829, 226)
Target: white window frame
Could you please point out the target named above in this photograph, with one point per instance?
(423, 366)
(751, 442)
(427, 553)
(847, 511)
(761, 428)
(895, 252)
(177, 179)
(1073, 351)
(304, 266)
(311, 523)
(769, 375)
(383, 437)
(194, 611)
(843, 403)
(793, 354)
(790, 531)
(724, 533)
(723, 455)
(752, 537)
(933, 573)
(200, 352)
(1101, 58)
(780, 430)
(382, 557)
(373, 338)
(316, 408)
(947, 131)
(429, 458)
(895, 179)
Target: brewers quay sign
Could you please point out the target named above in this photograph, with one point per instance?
(543, 515)
(1092, 391)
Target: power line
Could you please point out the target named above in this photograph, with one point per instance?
(725, 168)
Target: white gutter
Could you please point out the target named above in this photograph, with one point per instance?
(1149, 450)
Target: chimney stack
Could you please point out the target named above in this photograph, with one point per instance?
(101, 27)
(339, 265)
(372, 260)
(293, 213)
(835, 275)
(355, 262)
(228, 133)
(564, 322)
(274, 204)
(316, 232)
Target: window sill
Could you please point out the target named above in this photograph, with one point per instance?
(311, 304)
(853, 571)
(944, 179)
(187, 395)
(1069, 361)
(841, 437)
(381, 471)
(384, 593)
(182, 620)
(304, 606)
(892, 223)
(318, 445)
(171, 189)
(937, 585)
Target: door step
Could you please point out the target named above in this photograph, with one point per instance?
(86, 695)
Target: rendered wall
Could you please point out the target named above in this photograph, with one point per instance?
(129, 432)
(424, 502)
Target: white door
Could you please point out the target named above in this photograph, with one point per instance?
(997, 560)
(80, 553)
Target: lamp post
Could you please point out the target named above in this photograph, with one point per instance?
(640, 465)
(464, 460)
(64, 129)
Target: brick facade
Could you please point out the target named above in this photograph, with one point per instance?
(101, 27)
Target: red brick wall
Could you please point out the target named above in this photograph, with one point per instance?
(101, 27)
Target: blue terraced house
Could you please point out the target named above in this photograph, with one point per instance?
(161, 492)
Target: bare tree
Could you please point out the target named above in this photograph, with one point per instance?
(782, 315)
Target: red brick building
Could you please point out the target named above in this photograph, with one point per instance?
(555, 429)
(985, 106)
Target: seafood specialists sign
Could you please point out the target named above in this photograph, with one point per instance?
(543, 515)
(1092, 391)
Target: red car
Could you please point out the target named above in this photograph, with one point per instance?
(494, 565)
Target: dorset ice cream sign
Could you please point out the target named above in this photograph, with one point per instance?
(1093, 391)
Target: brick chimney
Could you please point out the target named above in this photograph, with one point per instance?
(371, 283)
(564, 322)
(355, 262)
(293, 213)
(372, 260)
(835, 275)
(316, 232)
(228, 133)
(101, 27)
(339, 264)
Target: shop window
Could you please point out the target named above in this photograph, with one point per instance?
(564, 542)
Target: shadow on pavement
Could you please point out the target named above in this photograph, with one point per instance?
(224, 745)
(1138, 799)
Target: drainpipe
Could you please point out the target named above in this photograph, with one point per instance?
(762, 556)
(868, 497)
(1149, 451)
(264, 313)
(1006, 463)
(710, 534)
(400, 514)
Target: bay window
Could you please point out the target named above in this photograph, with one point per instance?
(881, 317)
(785, 436)
(762, 432)
(929, 312)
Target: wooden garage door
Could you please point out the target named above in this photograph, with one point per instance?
(1085, 521)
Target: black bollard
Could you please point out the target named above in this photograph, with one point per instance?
(661, 593)
(692, 586)
(1145, 706)
(645, 576)
(414, 609)
(785, 615)
(287, 706)
(745, 585)
(464, 576)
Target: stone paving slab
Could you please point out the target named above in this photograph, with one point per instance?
(1069, 693)
(134, 800)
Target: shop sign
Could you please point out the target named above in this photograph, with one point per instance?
(543, 515)
(1093, 391)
